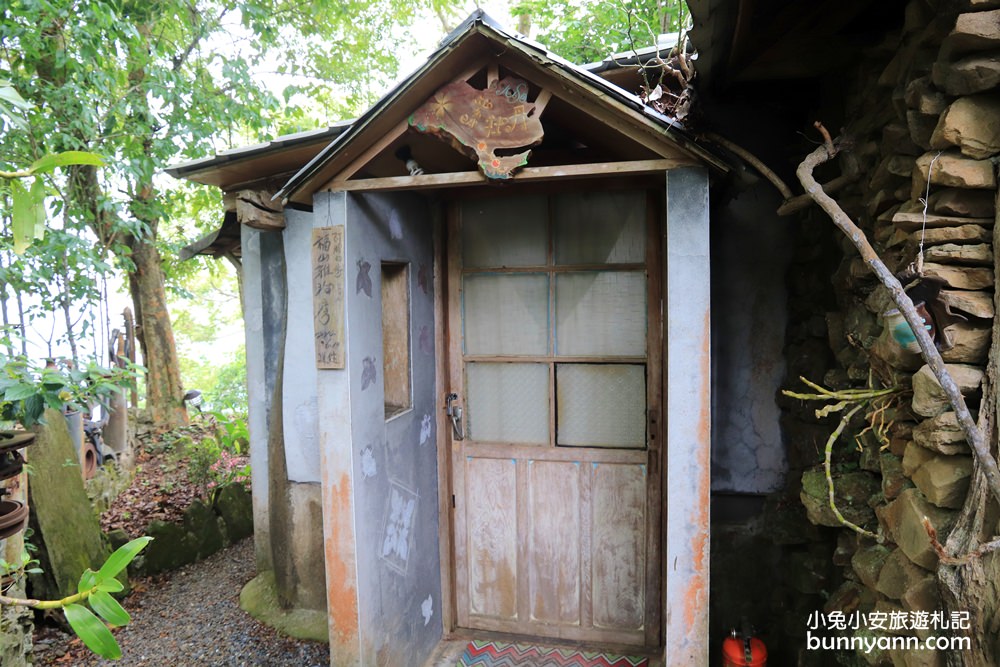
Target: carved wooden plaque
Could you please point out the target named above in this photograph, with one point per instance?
(328, 296)
(480, 122)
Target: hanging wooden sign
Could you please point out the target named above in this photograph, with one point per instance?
(480, 122)
(328, 296)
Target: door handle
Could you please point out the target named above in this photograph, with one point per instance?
(455, 413)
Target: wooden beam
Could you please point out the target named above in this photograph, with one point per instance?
(541, 100)
(467, 178)
(492, 74)
(254, 208)
(371, 152)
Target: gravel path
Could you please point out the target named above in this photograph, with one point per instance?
(191, 617)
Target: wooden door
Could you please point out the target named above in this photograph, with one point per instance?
(557, 370)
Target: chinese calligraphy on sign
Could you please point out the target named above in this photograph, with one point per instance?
(328, 296)
(480, 122)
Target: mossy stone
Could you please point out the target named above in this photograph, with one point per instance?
(259, 598)
(203, 524)
(172, 547)
(235, 506)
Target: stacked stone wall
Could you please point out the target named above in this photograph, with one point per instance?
(923, 116)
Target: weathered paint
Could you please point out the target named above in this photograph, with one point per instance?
(299, 390)
(687, 356)
(257, 393)
(380, 484)
(341, 581)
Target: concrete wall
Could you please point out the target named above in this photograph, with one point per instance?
(750, 251)
(390, 467)
(257, 389)
(688, 385)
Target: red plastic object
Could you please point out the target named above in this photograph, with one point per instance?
(734, 654)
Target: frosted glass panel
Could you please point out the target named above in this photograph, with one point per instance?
(601, 405)
(511, 231)
(600, 228)
(601, 313)
(506, 314)
(508, 402)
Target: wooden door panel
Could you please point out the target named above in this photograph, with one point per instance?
(554, 349)
(554, 514)
(491, 506)
(619, 524)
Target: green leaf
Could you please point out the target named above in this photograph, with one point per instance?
(111, 586)
(121, 557)
(92, 631)
(37, 193)
(87, 581)
(22, 217)
(18, 392)
(109, 609)
(47, 163)
(10, 95)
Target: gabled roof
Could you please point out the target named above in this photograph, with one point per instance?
(479, 37)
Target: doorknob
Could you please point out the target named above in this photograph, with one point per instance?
(455, 413)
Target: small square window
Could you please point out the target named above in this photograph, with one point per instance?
(396, 338)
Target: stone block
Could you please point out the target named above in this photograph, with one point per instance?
(922, 595)
(903, 520)
(944, 480)
(973, 31)
(201, 522)
(235, 506)
(970, 342)
(973, 124)
(852, 492)
(968, 203)
(915, 457)
(921, 95)
(929, 399)
(889, 352)
(976, 254)
(953, 170)
(867, 563)
(896, 140)
(977, 304)
(921, 128)
(967, 76)
(941, 434)
(967, 278)
(894, 481)
(959, 234)
(66, 527)
(172, 546)
(914, 657)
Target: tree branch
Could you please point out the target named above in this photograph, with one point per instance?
(974, 436)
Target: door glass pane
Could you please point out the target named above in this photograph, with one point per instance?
(601, 405)
(511, 231)
(601, 313)
(506, 314)
(600, 228)
(508, 402)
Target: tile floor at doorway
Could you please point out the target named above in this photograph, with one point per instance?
(449, 651)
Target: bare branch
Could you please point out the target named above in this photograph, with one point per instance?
(931, 355)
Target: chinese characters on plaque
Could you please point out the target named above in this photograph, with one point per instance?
(328, 296)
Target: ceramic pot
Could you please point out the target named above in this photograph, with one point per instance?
(13, 517)
(901, 332)
(11, 440)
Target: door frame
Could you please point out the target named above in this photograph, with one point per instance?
(449, 359)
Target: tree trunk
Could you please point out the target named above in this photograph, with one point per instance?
(164, 392)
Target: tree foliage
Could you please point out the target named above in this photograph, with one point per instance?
(145, 84)
(585, 32)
